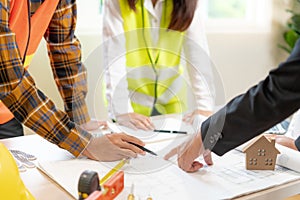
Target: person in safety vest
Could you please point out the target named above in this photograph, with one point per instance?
(148, 46)
(23, 24)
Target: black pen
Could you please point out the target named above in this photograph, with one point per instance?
(166, 131)
(143, 148)
(161, 131)
(179, 132)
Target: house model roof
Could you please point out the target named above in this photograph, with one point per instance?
(269, 144)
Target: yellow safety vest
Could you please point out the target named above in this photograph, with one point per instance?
(18, 23)
(154, 73)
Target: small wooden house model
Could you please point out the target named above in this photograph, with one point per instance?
(261, 154)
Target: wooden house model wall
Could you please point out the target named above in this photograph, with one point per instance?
(261, 154)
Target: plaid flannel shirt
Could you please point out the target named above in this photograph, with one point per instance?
(20, 94)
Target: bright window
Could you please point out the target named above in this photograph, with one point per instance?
(237, 15)
(229, 9)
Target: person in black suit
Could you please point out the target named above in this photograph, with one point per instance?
(246, 116)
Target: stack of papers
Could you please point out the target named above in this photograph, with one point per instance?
(164, 125)
(153, 176)
(162, 180)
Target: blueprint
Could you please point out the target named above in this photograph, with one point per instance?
(163, 180)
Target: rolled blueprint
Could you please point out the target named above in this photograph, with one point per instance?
(294, 127)
(288, 158)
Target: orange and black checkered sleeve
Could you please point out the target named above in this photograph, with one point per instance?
(65, 55)
(28, 104)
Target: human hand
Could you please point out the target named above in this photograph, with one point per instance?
(94, 125)
(188, 152)
(190, 117)
(113, 147)
(283, 140)
(135, 121)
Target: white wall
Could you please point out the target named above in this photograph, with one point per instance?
(245, 58)
(242, 59)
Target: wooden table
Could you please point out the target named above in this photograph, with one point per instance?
(44, 188)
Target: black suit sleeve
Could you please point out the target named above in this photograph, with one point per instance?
(297, 143)
(261, 107)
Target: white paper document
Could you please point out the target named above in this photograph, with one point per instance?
(230, 177)
(163, 180)
(165, 124)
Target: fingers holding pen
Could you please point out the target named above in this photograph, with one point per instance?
(121, 140)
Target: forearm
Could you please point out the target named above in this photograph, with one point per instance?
(203, 94)
(201, 77)
(71, 79)
(31, 107)
(198, 64)
(65, 57)
(263, 106)
(117, 93)
(28, 104)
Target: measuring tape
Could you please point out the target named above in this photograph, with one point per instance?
(110, 186)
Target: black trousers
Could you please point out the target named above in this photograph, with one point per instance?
(12, 128)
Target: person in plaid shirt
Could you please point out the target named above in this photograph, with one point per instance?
(30, 106)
